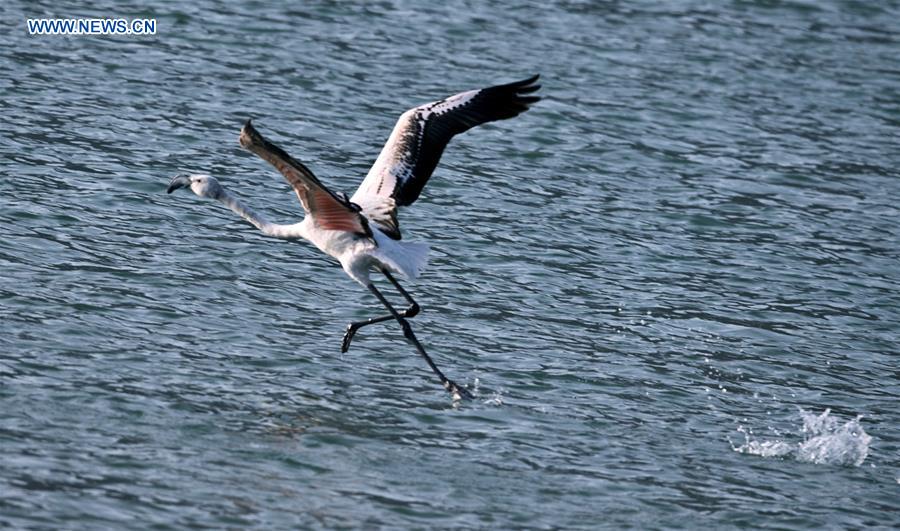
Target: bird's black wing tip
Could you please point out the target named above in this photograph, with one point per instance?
(525, 85)
(523, 91)
(522, 87)
(525, 82)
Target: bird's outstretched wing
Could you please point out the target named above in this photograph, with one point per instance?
(327, 210)
(415, 146)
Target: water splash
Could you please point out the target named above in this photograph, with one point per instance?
(826, 440)
(762, 448)
(493, 399)
(496, 399)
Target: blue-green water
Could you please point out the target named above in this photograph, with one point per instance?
(658, 280)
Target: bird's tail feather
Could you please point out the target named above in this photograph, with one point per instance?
(417, 254)
(410, 261)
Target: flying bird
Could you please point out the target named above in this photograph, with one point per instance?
(363, 232)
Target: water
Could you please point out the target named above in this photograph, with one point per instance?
(691, 245)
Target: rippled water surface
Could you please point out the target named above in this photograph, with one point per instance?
(672, 285)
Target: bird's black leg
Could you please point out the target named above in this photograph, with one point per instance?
(411, 311)
(413, 306)
(448, 384)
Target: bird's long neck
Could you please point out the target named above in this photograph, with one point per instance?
(271, 229)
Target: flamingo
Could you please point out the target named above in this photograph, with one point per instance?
(363, 232)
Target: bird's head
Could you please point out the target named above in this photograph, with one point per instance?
(202, 185)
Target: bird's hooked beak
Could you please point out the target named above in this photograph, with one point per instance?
(179, 181)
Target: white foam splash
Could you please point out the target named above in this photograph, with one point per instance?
(826, 441)
(494, 399)
(762, 448)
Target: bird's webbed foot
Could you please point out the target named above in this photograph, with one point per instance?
(348, 337)
(457, 392)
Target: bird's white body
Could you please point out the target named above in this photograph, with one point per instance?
(357, 254)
